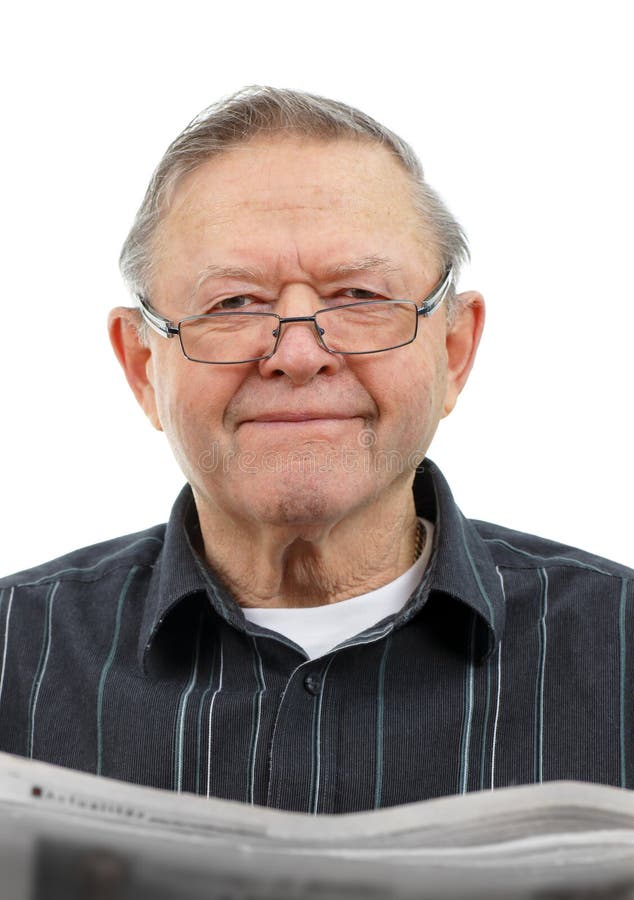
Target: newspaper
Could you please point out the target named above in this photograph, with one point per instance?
(66, 834)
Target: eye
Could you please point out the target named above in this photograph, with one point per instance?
(238, 302)
(358, 294)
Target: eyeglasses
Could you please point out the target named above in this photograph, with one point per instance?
(234, 337)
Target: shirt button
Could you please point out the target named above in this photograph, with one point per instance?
(312, 683)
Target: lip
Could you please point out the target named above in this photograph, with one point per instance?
(303, 416)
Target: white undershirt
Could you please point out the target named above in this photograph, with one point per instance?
(320, 628)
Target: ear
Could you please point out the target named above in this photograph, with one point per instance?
(462, 340)
(135, 358)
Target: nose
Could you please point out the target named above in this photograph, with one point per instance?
(300, 354)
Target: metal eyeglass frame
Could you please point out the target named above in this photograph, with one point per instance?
(169, 329)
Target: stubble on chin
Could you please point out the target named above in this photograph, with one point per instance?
(300, 508)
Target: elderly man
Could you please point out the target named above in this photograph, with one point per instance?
(317, 628)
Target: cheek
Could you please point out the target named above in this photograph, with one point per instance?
(412, 396)
(411, 383)
(191, 400)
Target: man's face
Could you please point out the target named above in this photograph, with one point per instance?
(306, 437)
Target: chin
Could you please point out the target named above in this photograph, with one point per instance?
(305, 500)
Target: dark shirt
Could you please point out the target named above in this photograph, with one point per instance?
(512, 663)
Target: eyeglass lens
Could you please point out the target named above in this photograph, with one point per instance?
(242, 337)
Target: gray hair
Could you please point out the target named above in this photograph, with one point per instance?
(255, 111)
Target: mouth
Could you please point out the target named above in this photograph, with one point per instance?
(290, 417)
(325, 425)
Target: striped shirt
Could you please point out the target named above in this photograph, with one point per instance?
(511, 663)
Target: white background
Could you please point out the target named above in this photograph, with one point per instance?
(521, 113)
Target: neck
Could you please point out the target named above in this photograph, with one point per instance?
(314, 564)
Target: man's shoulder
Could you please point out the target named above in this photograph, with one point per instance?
(93, 562)
(520, 550)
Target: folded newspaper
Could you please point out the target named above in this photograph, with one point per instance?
(65, 834)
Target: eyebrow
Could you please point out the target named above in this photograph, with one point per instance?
(243, 273)
(364, 264)
(331, 273)
(227, 272)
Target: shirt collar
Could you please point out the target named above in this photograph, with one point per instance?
(180, 573)
(461, 566)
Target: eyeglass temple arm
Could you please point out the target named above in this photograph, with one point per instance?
(436, 297)
(155, 321)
